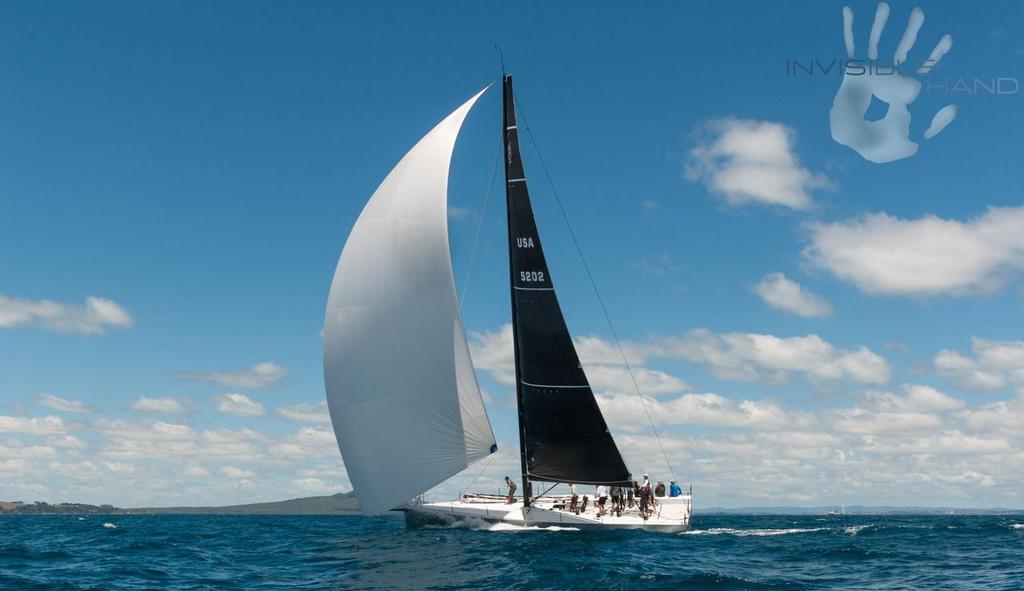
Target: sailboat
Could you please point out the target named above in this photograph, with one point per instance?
(401, 389)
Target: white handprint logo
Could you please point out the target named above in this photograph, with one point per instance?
(887, 139)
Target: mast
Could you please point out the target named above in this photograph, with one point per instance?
(508, 128)
(563, 436)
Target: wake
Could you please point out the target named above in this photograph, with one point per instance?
(728, 531)
(473, 523)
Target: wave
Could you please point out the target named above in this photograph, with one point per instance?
(109, 525)
(856, 529)
(1017, 525)
(728, 531)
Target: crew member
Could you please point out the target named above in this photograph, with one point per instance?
(511, 490)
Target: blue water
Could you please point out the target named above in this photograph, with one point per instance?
(723, 552)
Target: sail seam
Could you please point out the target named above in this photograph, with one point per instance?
(525, 383)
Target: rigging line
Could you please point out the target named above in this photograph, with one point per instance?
(501, 53)
(593, 284)
(477, 477)
(479, 226)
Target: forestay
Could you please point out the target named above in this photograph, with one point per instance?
(401, 390)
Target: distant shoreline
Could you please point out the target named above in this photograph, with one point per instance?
(347, 504)
(339, 504)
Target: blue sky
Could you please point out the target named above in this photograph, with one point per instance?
(197, 168)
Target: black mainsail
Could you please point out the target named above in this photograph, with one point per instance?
(562, 435)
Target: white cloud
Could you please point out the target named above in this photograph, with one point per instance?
(709, 410)
(745, 160)
(92, 317)
(881, 254)
(307, 413)
(781, 293)
(918, 398)
(63, 404)
(49, 425)
(121, 468)
(492, 351)
(168, 406)
(753, 357)
(995, 365)
(1006, 416)
(315, 485)
(614, 378)
(233, 472)
(195, 471)
(308, 442)
(258, 376)
(456, 213)
(65, 442)
(17, 450)
(240, 405)
(745, 357)
(863, 421)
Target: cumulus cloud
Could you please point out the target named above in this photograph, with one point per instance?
(994, 366)
(894, 447)
(91, 318)
(49, 425)
(492, 351)
(456, 213)
(239, 405)
(315, 485)
(258, 376)
(170, 406)
(747, 357)
(708, 410)
(233, 472)
(63, 404)
(195, 471)
(753, 357)
(745, 160)
(782, 293)
(307, 442)
(1006, 416)
(927, 256)
(306, 413)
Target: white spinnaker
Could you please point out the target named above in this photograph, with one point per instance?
(403, 398)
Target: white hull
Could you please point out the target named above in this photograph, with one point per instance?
(670, 514)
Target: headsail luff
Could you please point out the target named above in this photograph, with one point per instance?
(403, 397)
(563, 434)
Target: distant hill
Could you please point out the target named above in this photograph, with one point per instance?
(339, 504)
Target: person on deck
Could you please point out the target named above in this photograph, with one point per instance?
(659, 491)
(574, 500)
(674, 490)
(602, 498)
(511, 490)
(646, 486)
(617, 500)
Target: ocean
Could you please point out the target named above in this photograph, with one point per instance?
(130, 552)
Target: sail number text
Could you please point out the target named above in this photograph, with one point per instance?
(531, 276)
(526, 242)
